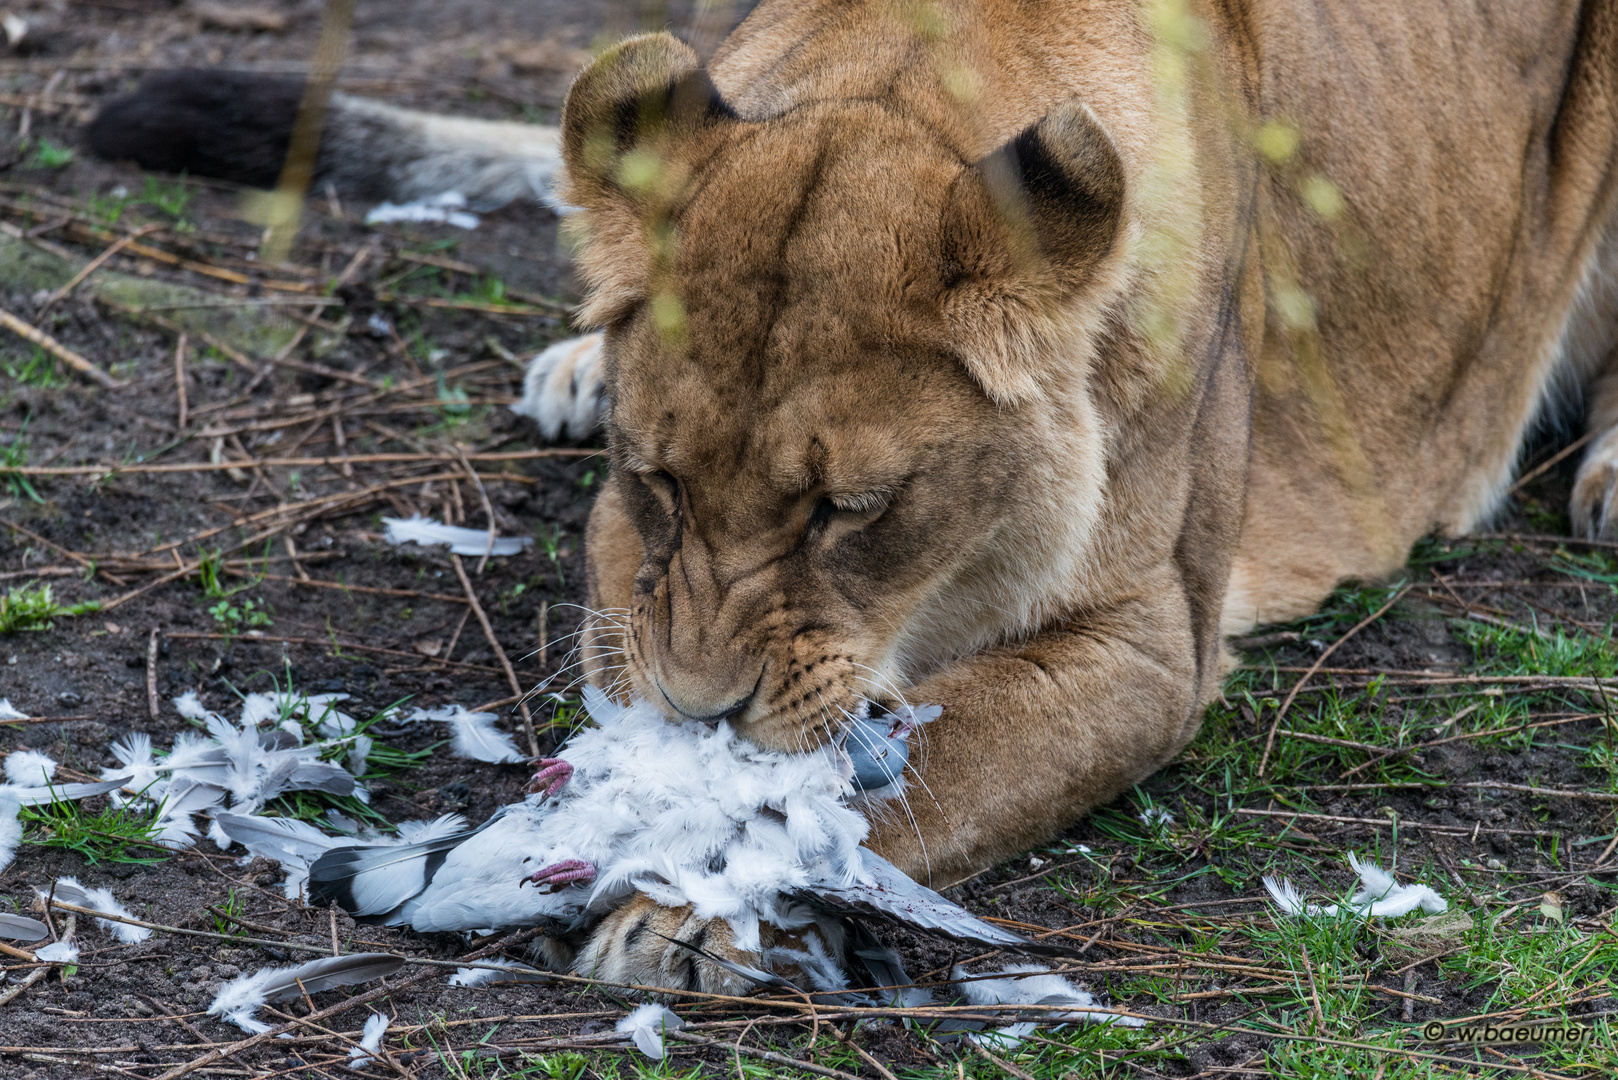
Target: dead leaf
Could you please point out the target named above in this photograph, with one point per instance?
(239, 17)
(1550, 906)
(428, 647)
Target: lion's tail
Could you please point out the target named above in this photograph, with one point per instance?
(236, 126)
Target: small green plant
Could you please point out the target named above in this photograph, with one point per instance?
(550, 541)
(39, 369)
(171, 199)
(48, 155)
(114, 834)
(226, 924)
(210, 567)
(233, 618)
(32, 607)
(108, 208)
(14, 455)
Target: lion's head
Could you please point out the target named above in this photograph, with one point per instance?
(839, 452)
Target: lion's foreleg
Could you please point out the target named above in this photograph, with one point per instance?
(1034, 735)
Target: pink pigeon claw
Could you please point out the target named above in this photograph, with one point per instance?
(553, 775)
(557, 875)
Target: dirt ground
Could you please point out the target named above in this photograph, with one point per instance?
(431, 370)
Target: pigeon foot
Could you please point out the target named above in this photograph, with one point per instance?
(553, 775)
(558, 875)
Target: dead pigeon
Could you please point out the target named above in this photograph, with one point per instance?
(684, 813)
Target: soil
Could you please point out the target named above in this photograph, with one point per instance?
(88, 675)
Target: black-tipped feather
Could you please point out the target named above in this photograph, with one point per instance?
(370, 882)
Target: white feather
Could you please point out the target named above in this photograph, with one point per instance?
(58, 952)
(189, 706)
(1380, 896)
(461, 541)
(370, 1041)
(68, 890)
(10, 829)
(8, 712)
(30, 768)
(473, 734)
(240, 998)
(646, 1026)
(1030, 984)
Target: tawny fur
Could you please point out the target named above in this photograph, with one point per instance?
(1059, 466)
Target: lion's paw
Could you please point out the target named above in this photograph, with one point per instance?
(1594, 504)
(632, 946)
(563, 390)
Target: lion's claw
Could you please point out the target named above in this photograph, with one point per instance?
(557, 875)
(553, 775)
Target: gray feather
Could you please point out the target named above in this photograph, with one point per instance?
(39, 796)
(21, 928)
(330, 971)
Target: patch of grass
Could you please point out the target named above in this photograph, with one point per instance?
(14, 455)
(170, 199)
(38, 369)
(32, 607)
(48, 155)
(232, 906)
(113, 835)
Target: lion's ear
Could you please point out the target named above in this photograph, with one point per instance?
(1023, 231)
(634, 121)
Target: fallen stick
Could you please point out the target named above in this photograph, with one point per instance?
(330, 461)
(92, 266)
(151, 673)
(260, 638)
(179, 383)
(316, 583)
(57, 349)
(499, 653)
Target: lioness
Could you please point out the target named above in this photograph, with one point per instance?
(1007, 355)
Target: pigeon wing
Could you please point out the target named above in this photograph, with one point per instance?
(883, 891)
(368, 882)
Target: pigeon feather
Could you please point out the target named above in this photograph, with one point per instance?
(427, 532)
(30, 768)
(21, 928)
(370, 1041)
(39, 796)
(239, 999)
(10, 828)
(69, 891)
